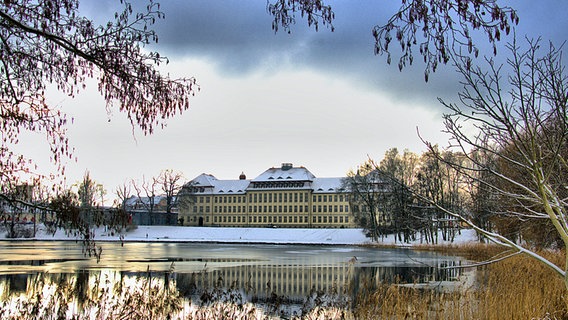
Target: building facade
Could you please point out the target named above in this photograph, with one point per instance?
(284, 197)
(151, 210)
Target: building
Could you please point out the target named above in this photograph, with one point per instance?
(286, 197)
(151, 210)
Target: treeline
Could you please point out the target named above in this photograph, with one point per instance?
(402, 194)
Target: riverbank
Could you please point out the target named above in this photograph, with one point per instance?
(238, 235)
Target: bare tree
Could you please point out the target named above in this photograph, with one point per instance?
(49, 44)
(366, 189)
(438, 28)
(123, 192)
(146, 193)
(519, 113)
(399, 172)
(171, 183)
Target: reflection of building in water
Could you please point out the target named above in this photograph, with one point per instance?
(293, 281)
(297, 281)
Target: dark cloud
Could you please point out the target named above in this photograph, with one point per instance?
(237, 37)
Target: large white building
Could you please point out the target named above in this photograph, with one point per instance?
(285, 196)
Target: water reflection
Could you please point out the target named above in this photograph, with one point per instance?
(259, 270)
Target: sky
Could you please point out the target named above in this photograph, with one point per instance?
(321, 100)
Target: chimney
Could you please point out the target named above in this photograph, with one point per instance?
(286, 166)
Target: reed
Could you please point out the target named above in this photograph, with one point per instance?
(515, 288)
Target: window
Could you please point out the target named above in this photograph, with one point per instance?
(285, 197)
(301, 197)
(325, 198)
(279, 197)
(207, 200)
(319, 198)
(296, 197)
(207, 209)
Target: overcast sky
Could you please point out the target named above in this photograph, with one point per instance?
(321, 100)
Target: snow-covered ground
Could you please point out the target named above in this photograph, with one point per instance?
(241, 235)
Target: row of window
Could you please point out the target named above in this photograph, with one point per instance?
(292, 280)
(278, 219)
(272, 209)
(276, 197)
(278, 184)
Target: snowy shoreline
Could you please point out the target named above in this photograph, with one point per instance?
(300, 236)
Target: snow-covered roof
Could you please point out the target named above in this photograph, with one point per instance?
(285, 173)
(231, 186)
(204, 180)
(284, 177)
(324, 185)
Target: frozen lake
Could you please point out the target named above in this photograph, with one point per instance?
(291, 270)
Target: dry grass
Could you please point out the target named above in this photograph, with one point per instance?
(515, 288)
